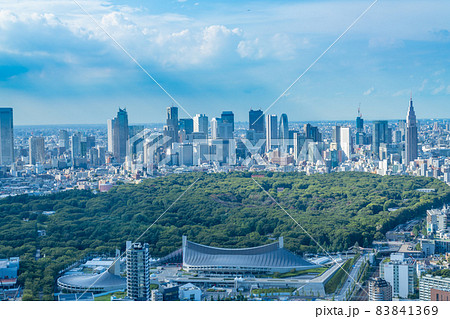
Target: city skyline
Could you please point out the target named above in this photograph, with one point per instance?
(222, 60)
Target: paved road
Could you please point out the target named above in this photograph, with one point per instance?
(351, 279)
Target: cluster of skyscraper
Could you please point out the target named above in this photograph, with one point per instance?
(196, 141)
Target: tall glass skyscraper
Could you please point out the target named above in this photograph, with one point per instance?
(283, 132)
(380, 135)
(228, 117)
(256, 121)
(359, 129)
(118, 135)
(6, 136)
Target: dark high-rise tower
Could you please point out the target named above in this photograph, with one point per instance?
(171, 128)
(256, 121)
(228, 117)
(380, 135)
(284, 127)
(6, 136)
(359, 128)
(359, 122)
(312, 133)
(187, 125)
(283, 132)
(118, 135)
(411, 150)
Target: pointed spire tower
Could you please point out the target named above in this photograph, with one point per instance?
(411, 150)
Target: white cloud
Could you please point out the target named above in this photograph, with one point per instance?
(278, 46)
(438, 90)
(369, 91)
(424, 83)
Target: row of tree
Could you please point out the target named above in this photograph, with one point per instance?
(226, 210)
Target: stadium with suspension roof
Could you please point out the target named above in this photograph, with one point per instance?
(255, 260)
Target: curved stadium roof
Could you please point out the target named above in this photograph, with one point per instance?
(267, 256)
(104, 281)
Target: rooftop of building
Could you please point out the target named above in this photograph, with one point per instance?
(104, 280)
(267, 256)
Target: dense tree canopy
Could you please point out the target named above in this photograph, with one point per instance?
(227, 210)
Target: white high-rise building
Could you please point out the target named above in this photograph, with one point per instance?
(201, 123)
(399, 274)
(437, 220)
(138, 272)
(110, 135)
(346, 141)
(271, 132)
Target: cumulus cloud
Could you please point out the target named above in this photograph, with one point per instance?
(278, 46)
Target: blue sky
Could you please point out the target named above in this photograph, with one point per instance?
(58, 67)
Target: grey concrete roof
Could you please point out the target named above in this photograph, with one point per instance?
(270, 256)
(104, 280)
